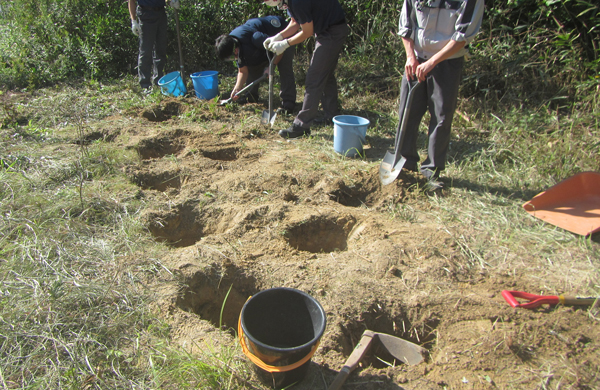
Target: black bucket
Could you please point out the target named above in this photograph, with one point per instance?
(279, 331)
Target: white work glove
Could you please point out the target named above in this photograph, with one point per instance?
(135, 28)
(279, 47)
(272, 39)
(174, 4)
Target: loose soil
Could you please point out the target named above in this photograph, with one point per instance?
(242, 210)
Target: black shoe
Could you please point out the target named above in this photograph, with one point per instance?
(434, 185)
(285, 111)
(411, 166)
(322, 121)
(433, 180)
(430, 175)
(294, 131)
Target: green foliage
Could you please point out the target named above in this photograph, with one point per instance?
(528, 50)
(536, 51)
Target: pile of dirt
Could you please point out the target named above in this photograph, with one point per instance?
(241, 215)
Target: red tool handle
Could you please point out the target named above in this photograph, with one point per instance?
(538, 300)
(534, 300)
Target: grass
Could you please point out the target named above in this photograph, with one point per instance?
(76, 310)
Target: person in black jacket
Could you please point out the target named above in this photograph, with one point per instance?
(245, 45)
(149, 23)
(326, 20)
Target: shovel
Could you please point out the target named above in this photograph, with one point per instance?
(393, 162)
(179, 43)
(402, 350)
(539, 300)
(244, 90)
(269, 116)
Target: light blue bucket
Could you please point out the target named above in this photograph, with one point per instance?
(349, 134)
(171, 84)
(206, 84)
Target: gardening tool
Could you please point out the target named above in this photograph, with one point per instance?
(538, 300)
(402, 350)
(573, 204)
(393, 163)
(269, 116)
(179, 42)
(244, 90)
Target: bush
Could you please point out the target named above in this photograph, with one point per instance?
(528, 50)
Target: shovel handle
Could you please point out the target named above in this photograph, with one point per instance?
(538, 300)
(353, 360)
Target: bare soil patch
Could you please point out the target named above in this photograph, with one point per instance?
(243, 210)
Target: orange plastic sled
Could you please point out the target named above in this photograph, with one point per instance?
(573, 204)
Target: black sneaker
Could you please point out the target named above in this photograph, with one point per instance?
(411, 166)
(433, 179)
(323, 121)
(284, 111)
(294, 131)
(430, 175)
(434, 185)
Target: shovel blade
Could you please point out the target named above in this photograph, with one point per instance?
(264, 119)
(390, 168)
(405, 351)
(268, 118)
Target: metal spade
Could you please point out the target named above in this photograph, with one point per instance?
(403, 350)
(393, 163)
(269, 116)
(244, 90)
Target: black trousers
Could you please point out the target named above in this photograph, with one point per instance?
(152, 56)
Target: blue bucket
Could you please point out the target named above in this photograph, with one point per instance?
(206, 84)
(171, 84)
(349, 134)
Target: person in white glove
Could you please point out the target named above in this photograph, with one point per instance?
(278, 47)
(327, 22)
(269, 40)
(149, 23)
(246, 45)
(135, 27)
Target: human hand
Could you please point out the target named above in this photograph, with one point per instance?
(135, 28)
(174, 4)
(410, 67)
(424, 69)
(234, 93)
(279, 47)
(272, 39)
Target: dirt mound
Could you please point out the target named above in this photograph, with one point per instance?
(243, 212)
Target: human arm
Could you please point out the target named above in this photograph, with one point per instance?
(242, 76)
(451, 48)
(295, 37)
(132, 7)
(410, 68)
(135, 25)
(291, 36)
(290, 30)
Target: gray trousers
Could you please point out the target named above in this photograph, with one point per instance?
(439, 95)
(321, 85)
(287, 81)
(152, 56)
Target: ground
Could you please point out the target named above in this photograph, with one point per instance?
(243, 210)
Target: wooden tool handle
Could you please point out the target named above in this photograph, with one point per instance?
(353, 359)
(339, 379)
(576, 301)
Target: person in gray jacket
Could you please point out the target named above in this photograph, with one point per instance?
(435, 35)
